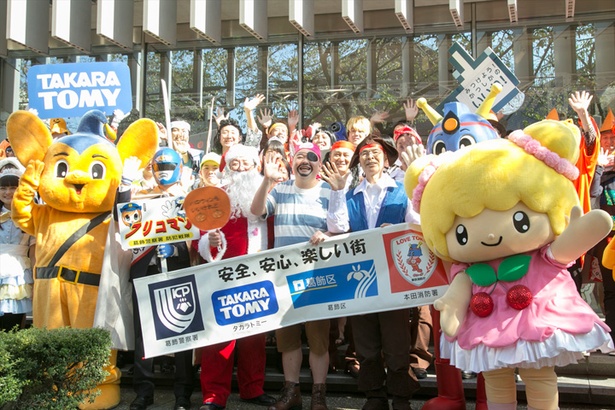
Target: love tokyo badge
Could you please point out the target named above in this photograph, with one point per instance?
(208, 208)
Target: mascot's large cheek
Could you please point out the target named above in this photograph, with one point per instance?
(101, 194)
(53, 190)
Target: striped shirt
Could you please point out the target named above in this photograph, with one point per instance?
(298, 213)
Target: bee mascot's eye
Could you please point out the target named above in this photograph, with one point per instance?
(97, 170)
(61, 169)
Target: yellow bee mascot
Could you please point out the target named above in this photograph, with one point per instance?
(77, 177)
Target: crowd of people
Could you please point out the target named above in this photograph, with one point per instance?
(287, 186)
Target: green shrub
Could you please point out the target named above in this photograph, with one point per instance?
(51, 369)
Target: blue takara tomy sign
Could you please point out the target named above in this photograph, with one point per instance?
(71, 90)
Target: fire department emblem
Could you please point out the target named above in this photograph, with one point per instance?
(413, 259)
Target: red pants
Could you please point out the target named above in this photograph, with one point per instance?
(217, 362)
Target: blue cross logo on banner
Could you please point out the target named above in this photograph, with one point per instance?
(176, 307)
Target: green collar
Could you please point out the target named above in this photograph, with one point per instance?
(511, 269)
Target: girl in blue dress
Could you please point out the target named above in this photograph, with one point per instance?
(15, 247)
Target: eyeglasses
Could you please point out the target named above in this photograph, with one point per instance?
(376, 153)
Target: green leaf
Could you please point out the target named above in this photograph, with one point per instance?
(482, 274)
(514, 268)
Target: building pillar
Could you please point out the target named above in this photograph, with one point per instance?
(522, 52)
(9, 88)
(136, 83)
(372, 69)
(407, 66)
(604, 55)
(564, 55)
(335, 64)
(197, 74)
(483, 40)
(230, 75)
(445, 70)
(262, 69)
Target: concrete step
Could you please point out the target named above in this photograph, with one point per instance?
(591, 382)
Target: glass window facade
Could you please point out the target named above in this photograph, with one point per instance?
(345, 77)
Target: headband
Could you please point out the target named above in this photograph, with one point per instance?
(276, 125)
(376, 145)
(343, 145)
(407, 130)
(550, 158)
(181, 125)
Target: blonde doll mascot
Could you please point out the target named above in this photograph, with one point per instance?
(507, 216)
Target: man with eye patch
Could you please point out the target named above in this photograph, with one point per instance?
(299, 208)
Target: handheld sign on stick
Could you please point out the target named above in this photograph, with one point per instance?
(209, 208)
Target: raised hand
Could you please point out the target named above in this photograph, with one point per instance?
(603, 157)
(252, 103)
(130, 171)
(410, 154)
(379, 117)
(293, 119)
(579, 101)
(271, 168)
(265, 118)
(219, 115)
(162, 131)
(32, 175)
(331, 174)
(411, 110)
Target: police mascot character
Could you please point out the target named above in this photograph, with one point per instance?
(77, 177)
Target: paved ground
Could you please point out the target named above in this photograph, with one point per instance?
(593, 383)
(165, 400)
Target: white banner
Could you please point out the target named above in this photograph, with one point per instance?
(369, 271)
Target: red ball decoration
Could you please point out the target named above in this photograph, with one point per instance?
(481, 304)
(519, 297)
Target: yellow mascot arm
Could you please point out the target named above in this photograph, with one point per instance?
(581, 234)
(454, 304)
(23, 208)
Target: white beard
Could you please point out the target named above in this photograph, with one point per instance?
(241, 188)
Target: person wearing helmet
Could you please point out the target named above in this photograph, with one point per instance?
(167, 170)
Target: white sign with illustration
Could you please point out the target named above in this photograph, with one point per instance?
(370, 271)
(151, 222)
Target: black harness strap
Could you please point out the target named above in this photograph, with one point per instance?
(77, 235)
